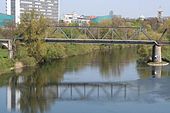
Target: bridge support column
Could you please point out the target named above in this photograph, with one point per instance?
(156, 54)
(10, 50)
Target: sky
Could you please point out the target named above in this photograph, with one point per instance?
(126, 8)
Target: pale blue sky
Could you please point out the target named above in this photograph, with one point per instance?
(126, 8)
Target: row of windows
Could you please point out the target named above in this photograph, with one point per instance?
(41, 9)
(47, 7)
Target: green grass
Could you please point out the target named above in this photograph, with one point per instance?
(5, 62)
(3, 53)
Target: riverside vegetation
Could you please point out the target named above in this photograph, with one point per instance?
(32, 50)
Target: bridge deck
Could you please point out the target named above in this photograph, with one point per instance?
(100, 41)
(4, 40)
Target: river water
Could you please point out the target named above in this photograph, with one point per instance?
(103, 82)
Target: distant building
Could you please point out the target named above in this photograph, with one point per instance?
(142, 17)
(4, 19)
(75, 18)
(166, 18)
(99, 19)
(160, 15)
(49, 8)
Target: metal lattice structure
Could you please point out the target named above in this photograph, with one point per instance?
(96, 32)
(105, 35)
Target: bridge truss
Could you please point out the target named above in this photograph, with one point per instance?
(98, 32)
(105, 35)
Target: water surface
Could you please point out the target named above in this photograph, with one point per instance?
(103, 82)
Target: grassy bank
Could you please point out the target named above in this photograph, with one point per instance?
(5, 62)
(166, 52)
(49, 52)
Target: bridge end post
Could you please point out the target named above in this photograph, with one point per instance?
(156, 54)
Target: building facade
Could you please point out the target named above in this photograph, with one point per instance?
(49, 8)
(75, 18)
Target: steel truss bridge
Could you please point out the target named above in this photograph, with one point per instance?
(101, 35)
(105, 35)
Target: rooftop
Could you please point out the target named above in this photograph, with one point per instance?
(5, 18)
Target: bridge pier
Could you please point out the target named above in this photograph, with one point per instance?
(157, 57)
(156, 54)
(10, 50)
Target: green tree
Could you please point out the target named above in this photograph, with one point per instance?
(33, 28)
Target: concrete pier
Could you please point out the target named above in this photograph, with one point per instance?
(156, 54)
(157, 57)
(10, 49)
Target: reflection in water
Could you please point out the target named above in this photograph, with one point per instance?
(38, 89)
(35, 93)
(146, 71)
(39, 99)
(112, 62)
(156, 71)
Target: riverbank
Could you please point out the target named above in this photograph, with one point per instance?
(47, 54)
(51, 52)
(5, 62)
(5, 65)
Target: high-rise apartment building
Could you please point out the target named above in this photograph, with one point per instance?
(49, 8)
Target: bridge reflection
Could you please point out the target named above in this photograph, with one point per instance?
(35, 98)
(85, 91)
(20, 95)
(26, 93)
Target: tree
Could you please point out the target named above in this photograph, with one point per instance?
(167, 25)
(33, 28)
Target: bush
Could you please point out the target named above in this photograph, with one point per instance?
(28, 61)
(5, 64)
(23, 56)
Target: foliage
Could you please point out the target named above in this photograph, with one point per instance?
(3, 53)
(33, 28)
(7, 33)
(167, 25)
(166, 52)
(5, 65)
(5, 62)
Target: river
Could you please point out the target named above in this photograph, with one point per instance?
(108, 81)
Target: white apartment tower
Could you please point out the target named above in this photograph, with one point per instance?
(49, 8)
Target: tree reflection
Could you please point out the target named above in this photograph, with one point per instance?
(113, 61)
(37, 93)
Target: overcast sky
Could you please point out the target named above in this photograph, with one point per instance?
(126, 8)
